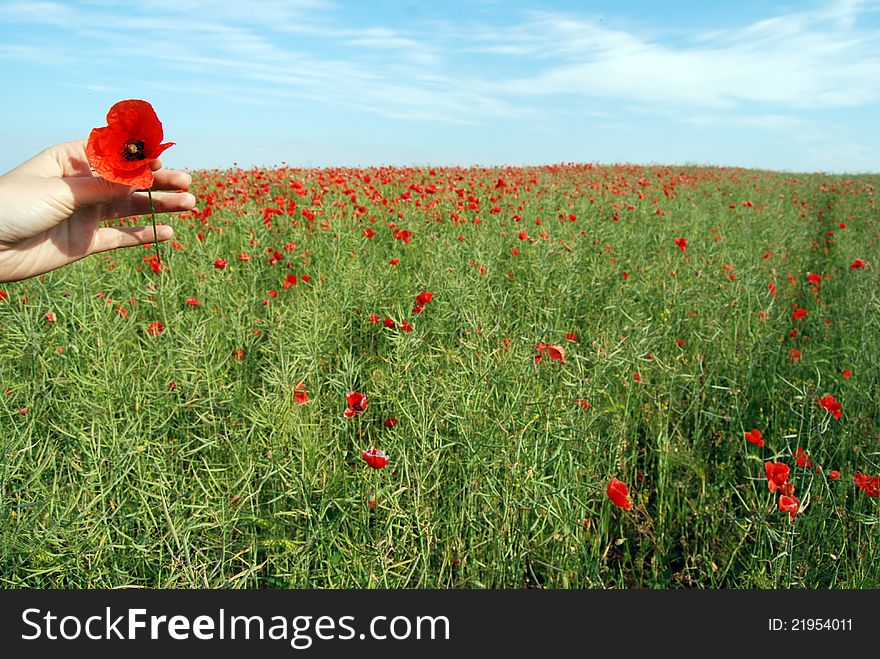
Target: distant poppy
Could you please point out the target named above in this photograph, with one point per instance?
(802, 458)
(555, 352)
(847, 374)
(238, 354)
(155, 328)
(356, 402)
(388, 323)
(191, 301)
(857, 264)
(870, 485)
(829, 403)
(618, 492)
(833, 475)
(289, 280)
(220, 264)
(50, 317)
(777, 474)
(754, 437)
(123, 150)
(300, 395)
(790, 505)
(375, 458)
(390, 422)
(682, 243)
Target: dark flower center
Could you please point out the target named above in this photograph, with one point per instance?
(134, 150)
(357, 407)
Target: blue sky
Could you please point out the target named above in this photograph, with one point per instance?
(775, 85)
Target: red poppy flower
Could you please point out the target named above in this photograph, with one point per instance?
(220, 264)
(50, 317)
(289, 280)
(300, 395)
(375, 458)
(191, 301)
(388, 323)
(802, 458)
(833, 475)
(123, 150)
(829, 403)
(790, 505)
(155, 328)
(799, 313)
(870, 485)
(618, 492)
(357, 403)
(857, 264)
(423, 298)
(390, 422)
(847, 374)
(777, 474)
(682, 244)
(754, 437)
(555, 352)
(374, 319)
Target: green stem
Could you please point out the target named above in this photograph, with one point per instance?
(153, 219)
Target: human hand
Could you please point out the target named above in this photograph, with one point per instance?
(52, 205)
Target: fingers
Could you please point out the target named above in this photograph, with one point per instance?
(107, 238)
(139, 204)
(171, 179)
(92, 190)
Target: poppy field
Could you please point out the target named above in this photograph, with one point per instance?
(569, 376)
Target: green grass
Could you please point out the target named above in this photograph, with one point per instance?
(497, 474)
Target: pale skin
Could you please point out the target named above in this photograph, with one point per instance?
(52, 207)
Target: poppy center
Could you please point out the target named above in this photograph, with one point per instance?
(357, 407)
(134, 150)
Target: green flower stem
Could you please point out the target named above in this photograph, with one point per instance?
(153, 219)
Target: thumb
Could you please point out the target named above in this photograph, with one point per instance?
(93, 190)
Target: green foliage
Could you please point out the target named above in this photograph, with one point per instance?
(135, 460)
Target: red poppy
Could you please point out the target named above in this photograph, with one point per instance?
(790, 505)
(847, 374)
(50, 317)
(802, 458)
(220, 264)
(375, 458)
(191, 301)
(829, 403)
(357, 403)
(123, 150)
(777, 474)
(618, 492)
(390, 422)
(682, 244)
(423, 298)
(300, 395)
(553, 351)
(870, 485)
(857, 264)
(155, 328)
(374, 319)
(637, 376)
(289, 280)
(405, 326)
(834, 475)
(388, 323)
(799, 313)
(754, 437)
